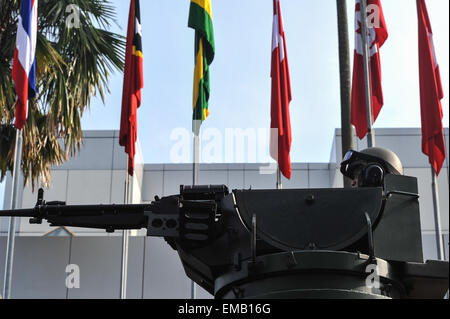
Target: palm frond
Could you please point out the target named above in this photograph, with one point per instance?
(73, 65)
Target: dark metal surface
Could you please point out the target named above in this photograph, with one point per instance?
(398, 235)
(394, 184)
(428, 280)
(309, 274)
(322, 219)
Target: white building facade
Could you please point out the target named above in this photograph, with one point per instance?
(97, 176)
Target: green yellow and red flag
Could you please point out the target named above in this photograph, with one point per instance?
(200, 19)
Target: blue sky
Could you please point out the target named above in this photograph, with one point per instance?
(240, 74)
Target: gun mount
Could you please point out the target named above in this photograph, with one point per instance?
(314, 243)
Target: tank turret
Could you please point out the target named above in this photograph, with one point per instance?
(363, 242)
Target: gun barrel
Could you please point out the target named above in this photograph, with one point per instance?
(18, 213)
(108, 217)
(91, 210)
(74, 210)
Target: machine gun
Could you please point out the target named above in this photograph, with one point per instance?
(363, 242)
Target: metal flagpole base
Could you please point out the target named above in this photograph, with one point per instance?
(279, 183)
(12, 224)
(123, 286)
(195, 179)
(125, 243)
(9, 258)
(193, 290)
(437, 216)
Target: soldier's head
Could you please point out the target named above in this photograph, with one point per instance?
(369, 167)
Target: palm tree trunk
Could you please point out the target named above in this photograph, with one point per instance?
(344, 65)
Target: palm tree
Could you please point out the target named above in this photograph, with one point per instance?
(73, 65)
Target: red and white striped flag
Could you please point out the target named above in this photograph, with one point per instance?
(431, 93)
(24, 65)
(281, 95)
(376, 38)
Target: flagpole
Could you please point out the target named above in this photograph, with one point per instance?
(279, 182)
(347, 136)
(125, 237)
(12, 221)
(196, 159)
(366, 57)
(196, 168)
(437, 216)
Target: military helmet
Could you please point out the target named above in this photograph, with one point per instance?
(387, 161)
(393, 163)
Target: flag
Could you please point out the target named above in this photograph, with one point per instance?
(200, 19)
(132, 85)
(281, 96)
(377, 36)
(24, 65)
(431, 93)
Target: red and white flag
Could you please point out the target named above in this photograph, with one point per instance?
(377, 36)
(431, 93)
(281, 96)
(24, 65)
